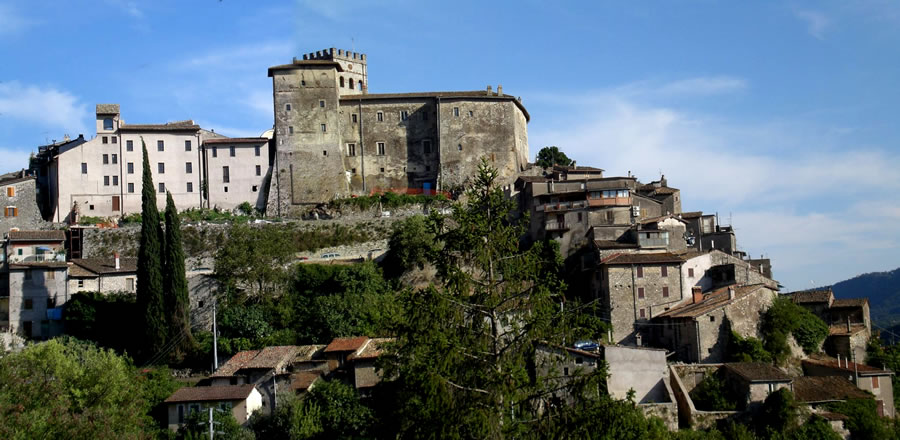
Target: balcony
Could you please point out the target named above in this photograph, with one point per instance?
(562, 206)
(610, 201)
(556, 226)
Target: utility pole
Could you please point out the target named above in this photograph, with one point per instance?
(215, 340)
(210, 423)
(274, 392)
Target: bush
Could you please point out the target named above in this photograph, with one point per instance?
(786, 318)
(134, 218)
(712, 394)
(389, 200)
(746, 350)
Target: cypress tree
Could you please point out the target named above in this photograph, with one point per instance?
(175, 284)
(150, 281)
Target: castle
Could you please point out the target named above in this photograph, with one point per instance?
(334, 139)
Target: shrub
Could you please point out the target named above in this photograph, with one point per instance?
(786, 318)
(746, 349)
(712, 394)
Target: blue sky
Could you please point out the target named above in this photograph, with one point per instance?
(780, 116)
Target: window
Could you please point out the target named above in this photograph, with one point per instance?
(324, 128)
(459, 147)
(162, 187)
(105, 140)
(29, 304)
(180, 413)
(342, 81)
(80, 283)
(471, 113)
(426, 146)
(351, 149)
(643, 314)
(690, 271)
(91, 207)
(12, 211)
(225, 406)
(105, 180)
(105, 159)
(875, 382)
(379, 117)
(287, 107)
(231, 151)
(257, 150)
(253, 189)
(665, 292)
(566, 371)
(353, 170)
(11, 191)
(360, 85)
(353, 118)
(107, 124)
(579, 216)
(664, 271)
(190, 187)
(115, 140)
(291, 130)
(226, 189)
(188, 168)
(115, 180)
(382, 169)
(640, 293)
(324, 153)
(456, 111)
(404, 115)
(115, 158)
(321, 104)
(129, 145)
(380, 148)
(160, 146)
(302, 82)
(226, 177)
(187, 145)
(259, 170)
(83, 168)
(161, 168)
(130, 167)
(640, 272)
(130, 187)
(216, 151)
(712, 318)
(351, 83)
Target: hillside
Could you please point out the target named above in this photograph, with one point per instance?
(883, 291)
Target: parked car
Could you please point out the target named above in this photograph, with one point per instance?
(587, 345)
(330, 255)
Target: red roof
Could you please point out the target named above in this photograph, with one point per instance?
(711, 301)
(346, 344)
(56, 235)
(650, 258)
(207, 394)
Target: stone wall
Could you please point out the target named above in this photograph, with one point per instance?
(24, 200)
(621, 292)
(44, 284)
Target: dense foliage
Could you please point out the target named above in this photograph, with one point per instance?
(106, 319)
(176, 288)
(390, 200)
(785, 318)
(549, 156)
(150, 294)
(412, 244)
(712, 394)
(748, 349)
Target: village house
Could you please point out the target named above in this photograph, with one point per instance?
(236, 170)
(817, 392)
(754, 381)
(713, 268)
(268, 369)
(698, 331)
(18, 200)
(848, 320)
(240, 400)
(874, 380)
(103, 275)
(33, 277)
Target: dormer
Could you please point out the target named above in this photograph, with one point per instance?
(107, 118)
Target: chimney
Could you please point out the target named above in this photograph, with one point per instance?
(698, 294)
(489, 90)
(117, 260)
(499, 89)
(730, 293)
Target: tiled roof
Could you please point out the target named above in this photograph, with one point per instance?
(711, 301)
(267, 358)
(169, 126)
(609, 244)
(225, 140)
(849, 302)
(299, 64)
(33, 264)
(841, 329)
(212, 393)
(812, 296)
(372, 349)
(76, 271)
(307, 353)
(576, 168)
(846, 366)
(107, 265)
(661, 218)
(107, 109)
(303, 380)
(56, 235)
(346, 344)
(533, 179)
(650, 258)
(476, 94)
(758, 372)
(831, 416)
(692, 214)
(811, 389)
(235, 363)
(14, 180)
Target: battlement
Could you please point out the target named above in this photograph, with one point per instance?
(332, 54)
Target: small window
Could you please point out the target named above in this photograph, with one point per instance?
(471, 113)
(380, 148)
(302, 82)
(226, 176)
(80, 283)
(566, 371)
(690, 271)
(29, 304)
(107, 124)
(404, 115)
(115, 180)
(105, 180)
(259, 170)
(12, 211)
(190, 187)
(664, 271)
(459, 147)
(351, 83)
(426, 146)
(160, 146)
(287, 107)
(11, 191)
(105, 159)
(712, 318)
(105, 140)
(161, 168)
(875, 383)
(291, 130)
(351, 149)
(643, 314)
(360, 85)
(187, 145)
(115, 140)
(257, 150)
(665, 292)
(130, 187)
(188, 168)
(353, 118)
(91, 207)
(254, 188)
(382, 169)
(231, 151)
(342, 81)
(226, 189)
(579, 217)
(456, 111)
(130, 167)
(321, 104)
(129, 145)
(162, 187)
(115, 158)
(324, 128)
(129, 284)
(640, 292)
(324, 152)
(640, 272)
(353, 170)
(216, 150)
(379, 117)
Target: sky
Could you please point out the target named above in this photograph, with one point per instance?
(779, 116)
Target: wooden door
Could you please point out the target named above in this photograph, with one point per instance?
(115, 203)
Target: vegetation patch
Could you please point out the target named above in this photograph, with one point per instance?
(389, 201)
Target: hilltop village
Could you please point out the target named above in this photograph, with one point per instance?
(684, 312)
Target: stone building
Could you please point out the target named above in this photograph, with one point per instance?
(103, 275)
(754, 381)
(874, 380)
(698, 331)
(101, 177)
(33, 277)
(335, 139)
(18, 199)
(236, 171)
(848, 320)
(714, 268)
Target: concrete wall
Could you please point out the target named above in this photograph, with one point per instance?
(108, 283)
(745, 273)
(24, 200)
(241, 410)
(45, 283)
(365, 374)
(621, 296)
(684, 378)
(247, 174)
(643, 370)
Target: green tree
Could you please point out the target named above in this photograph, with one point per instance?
(411, 245)
(747, 349)
(339, 410)
(712, 394)
(253, 259)
(176, 289)
(150, 293)
(778, 413)
(783, 319)
(196, 427)
(815, 428)
(549, 156)
(65, 388)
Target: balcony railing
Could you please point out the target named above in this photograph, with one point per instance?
(562, 206)
(556, 226)
(610, 201)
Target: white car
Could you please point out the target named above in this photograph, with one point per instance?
(330, 255)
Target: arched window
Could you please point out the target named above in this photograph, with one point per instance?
(342, 81)
(360, 85)
(351, 83)
(108, 124)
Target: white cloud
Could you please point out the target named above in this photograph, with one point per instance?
(12, 22)
(128, 7)
(816, 22)
(698, 86)
(232, 131)
(239, 57)
(12, 160)
(45, 107)
(260, 101)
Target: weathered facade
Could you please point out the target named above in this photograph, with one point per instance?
(874, 380)
(103, 275)
(18, 200)
(714, 268)
(236, 170)
(754, 381)
(334, 139)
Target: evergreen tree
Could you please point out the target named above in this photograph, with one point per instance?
(549, 156)
(175, 286)
(151, 302)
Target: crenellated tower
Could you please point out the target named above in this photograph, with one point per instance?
(353, 79)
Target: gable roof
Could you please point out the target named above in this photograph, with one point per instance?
(810, 389)
(812, 296)
(846, 366)
(225, 140)
(648, 258)
(692, 214)
(107, 109)
(346, 344)
(841, 329)
(266, 358)
(56, 235)
(187, 125)
(758, 372)
(103, 266)
(211, 393)
(849, 302)
(302, 380)
(371, 350)
(711, 301)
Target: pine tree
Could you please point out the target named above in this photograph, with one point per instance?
(175, 286)
(150, 297)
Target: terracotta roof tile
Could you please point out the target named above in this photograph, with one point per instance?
(758, 372)
(812, 296)
(346, 344)
(372, 349)
(649, 258)
(212, 393)
(267, 358)
(169, 126)
(308, 353)
(811, 389)
(56, 235)
(303, 380)
(849, 302)
(848, 367)
(841, 329)
(235, 363)
(711, 301)
(107, 265)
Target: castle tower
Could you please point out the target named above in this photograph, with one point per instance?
(353, 80)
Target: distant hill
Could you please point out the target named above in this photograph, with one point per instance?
(883, 291)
